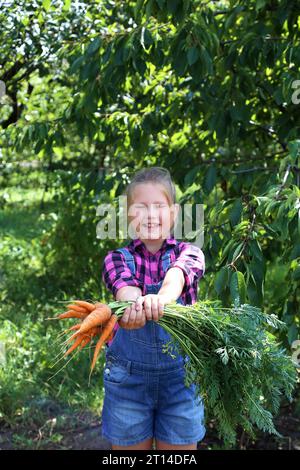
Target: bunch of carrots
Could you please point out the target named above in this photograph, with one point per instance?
(96, 320)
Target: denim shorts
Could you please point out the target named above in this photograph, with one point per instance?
(143, 401)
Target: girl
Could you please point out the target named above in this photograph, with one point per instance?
(145, 395)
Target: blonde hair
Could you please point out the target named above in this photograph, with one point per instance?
(155, 174)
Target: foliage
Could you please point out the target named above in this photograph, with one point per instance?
(97, 90)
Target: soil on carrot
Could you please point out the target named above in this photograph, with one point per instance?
(50, 425)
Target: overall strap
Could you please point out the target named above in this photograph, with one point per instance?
(166, 259)
(129, 259)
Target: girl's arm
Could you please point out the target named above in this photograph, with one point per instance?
(183, 273)
(169, 292)
(128, 293)
(172, 285)
(118, 279)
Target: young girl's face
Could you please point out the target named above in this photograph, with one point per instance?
(149, 214)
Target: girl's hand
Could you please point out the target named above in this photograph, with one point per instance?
(134, 316)
(153, 305)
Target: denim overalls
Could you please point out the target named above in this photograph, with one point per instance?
(145, 394)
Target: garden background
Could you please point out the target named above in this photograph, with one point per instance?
(90, 92)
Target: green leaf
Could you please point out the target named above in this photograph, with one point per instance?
(67, 4)
(191, 175)
(180, 63)
(149, 8)
(76, 64)
(206, 60)
(234, 288)
(38, 146)
(231, 18)
(226, 250)
(257, 269)
(105, 57)
(238, 287)
(210, 178)
(172, 5)
(235, 213)
(93, 46)
(221, 280)
(294, 149)
(235, 251)
(292, 333)
(161, 4)
(140, 66)
(138, 7)
(260, 4)
(46, 4)
(192, 55)
(282, 225)
(295, 253)
(252, 292)
(255, 249)
(296, 274)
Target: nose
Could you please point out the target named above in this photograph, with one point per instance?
(153, 214)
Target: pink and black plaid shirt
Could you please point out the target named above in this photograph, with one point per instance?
(184, 255)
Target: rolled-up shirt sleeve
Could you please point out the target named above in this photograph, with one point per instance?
(116, 273)
(191, 261)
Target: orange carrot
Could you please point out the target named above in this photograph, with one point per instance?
(88, 337)
(74, 345)
(106, 333)
(77, 308)
(99, 305)
(110, 337)
(72, 328)
(83, 337)
(75, 327)
(85, 341)
(97, 317)
(75, 314)
(87, 305)
(69, 314)
(96, 330)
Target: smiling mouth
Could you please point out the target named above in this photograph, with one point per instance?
(151, 225)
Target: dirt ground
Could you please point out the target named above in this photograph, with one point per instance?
(53, 427)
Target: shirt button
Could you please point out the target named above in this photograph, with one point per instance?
(107, 371)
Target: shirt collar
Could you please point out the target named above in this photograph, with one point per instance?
(138, 244)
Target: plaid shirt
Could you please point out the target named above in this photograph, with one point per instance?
(189, 258)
